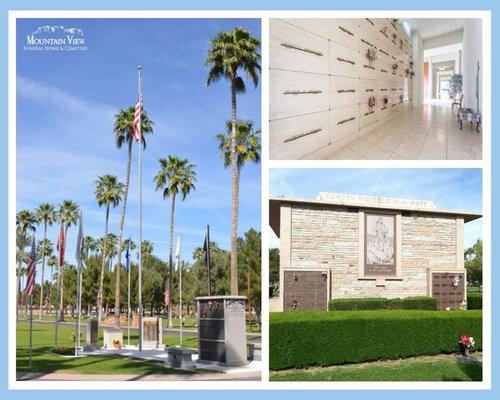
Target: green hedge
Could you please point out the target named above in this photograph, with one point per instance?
(382, 303)
(474, 301)
(300, 338)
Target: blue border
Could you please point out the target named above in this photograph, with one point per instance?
(6, 5)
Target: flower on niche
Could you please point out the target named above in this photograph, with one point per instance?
(117, 344)
(372, 102)
(466, 340)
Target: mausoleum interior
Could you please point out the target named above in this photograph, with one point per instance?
(375, 88)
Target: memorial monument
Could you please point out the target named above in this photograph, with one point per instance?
(341, 245)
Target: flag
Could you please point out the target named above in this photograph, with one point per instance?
(166, 296)
(60, 246)
(127, 256)
(206, 247)
(30, 282)
(136, 125)
(80, 240)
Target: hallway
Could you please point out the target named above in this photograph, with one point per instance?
(428, 132)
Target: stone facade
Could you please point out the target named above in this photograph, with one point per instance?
(322, 235)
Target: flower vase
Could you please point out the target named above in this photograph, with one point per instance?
(465, 350)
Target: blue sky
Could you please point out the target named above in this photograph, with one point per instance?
(455, 189)
(65, 106)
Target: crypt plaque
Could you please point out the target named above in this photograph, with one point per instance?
(448, 288)
(305, 290)
(380, 244)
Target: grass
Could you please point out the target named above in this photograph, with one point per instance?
(437, 368)
(47, 362)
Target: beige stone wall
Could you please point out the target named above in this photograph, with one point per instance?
(319, 237)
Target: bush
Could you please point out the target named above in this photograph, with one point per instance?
(381, 303)
(300, 339)
(64, 351)
(474, 301)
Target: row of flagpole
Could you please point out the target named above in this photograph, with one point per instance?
(61, 244)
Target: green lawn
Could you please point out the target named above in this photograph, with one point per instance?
(440, 368)
(47, 362)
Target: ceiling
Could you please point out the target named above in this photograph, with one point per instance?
(432, 27)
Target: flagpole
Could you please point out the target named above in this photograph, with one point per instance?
(179, 267)
(31, 327)
(128, 295)
(208, 261)
(58, 284)
(79, 253)
(139, 87)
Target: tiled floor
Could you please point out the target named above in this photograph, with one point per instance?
(429, 132)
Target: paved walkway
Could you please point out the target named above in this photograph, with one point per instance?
(241, 376)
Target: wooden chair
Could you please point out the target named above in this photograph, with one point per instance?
(457, 101)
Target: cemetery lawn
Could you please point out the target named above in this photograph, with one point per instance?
(435, 368)
(47, 362)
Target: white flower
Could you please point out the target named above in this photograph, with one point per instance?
(447, 308)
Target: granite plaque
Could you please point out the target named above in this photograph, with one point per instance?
(305, 290)
(380, 244)
(448, 288)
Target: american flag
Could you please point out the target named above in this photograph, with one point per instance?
(136, 125)
(166, 295)
(30, 283)
(60, 246)
(127, 256)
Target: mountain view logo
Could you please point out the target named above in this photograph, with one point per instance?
(55, 38)
(56, 29)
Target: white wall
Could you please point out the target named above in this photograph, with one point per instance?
(472, 54)
(418, 68)
(443, 40)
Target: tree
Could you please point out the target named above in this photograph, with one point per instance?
(25, 221)
(175, 175)
(67, 215)
(45, 214)
(474, 263)
(274, 271)
(90, 246)
(229, 53)
(44, 249)
(147, 248)
(108, 193)
(124, 135)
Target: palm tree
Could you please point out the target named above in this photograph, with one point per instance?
(108, 192)
(44, 249)
(67, 215)
(51, 262)
(229, 53)
(25, 221)
(45, 214)
(123, 134)
(175, 175)
(147, 248)
(111, 249)
(89, 245)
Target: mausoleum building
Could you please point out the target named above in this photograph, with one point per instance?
(342, 245)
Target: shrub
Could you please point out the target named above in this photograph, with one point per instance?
(474, 301)
(381, 303)
(300, 339)
(64, 351)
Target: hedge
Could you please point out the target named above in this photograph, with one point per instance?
(474, 301)
(382, 303)
(320, 338)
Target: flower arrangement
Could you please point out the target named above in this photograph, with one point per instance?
(407, 72)
(73, 336)
(456, 281)
(384, 29)
(466, 342)
(412, 74)
(372, 102)
(385, 100)
(371, 55)
(394, 37)
(401, 44)
(394, 67)
(117, 344)
(401, 98)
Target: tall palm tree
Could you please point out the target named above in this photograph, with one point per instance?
(147, 248)
(67, 215)
(229, 53)
(175, 175)
(45, 214)
(111, 249)
(108, 193)
(44, 249)
(124, 135)
(25, 221)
